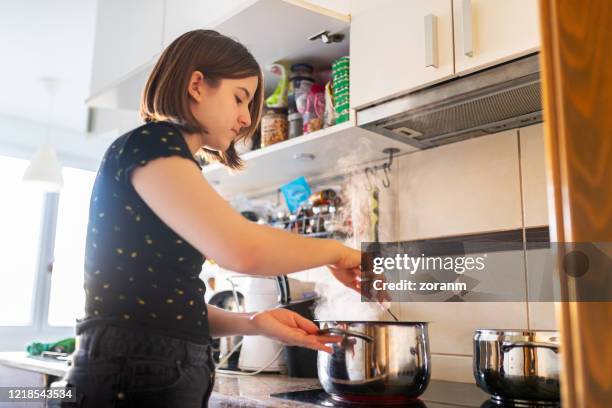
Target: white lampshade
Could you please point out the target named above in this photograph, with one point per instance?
(45, 170)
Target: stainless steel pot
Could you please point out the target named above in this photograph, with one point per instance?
(519, 367)
(377, 362)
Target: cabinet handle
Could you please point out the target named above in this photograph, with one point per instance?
(431, 41)
(468, 48)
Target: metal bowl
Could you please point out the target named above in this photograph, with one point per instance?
(518, 367)
(377, 362)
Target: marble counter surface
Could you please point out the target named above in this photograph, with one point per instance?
(229, 391)
(254, 391)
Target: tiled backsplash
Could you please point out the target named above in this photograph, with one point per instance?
(492, 183)
(461, 188)
(488, 184)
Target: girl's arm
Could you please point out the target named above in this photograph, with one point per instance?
(176, 191)
(279, 324)
(223, 323)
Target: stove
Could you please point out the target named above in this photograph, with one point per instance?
(439, 394)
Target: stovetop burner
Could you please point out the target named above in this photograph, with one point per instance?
(320, 397)
(439, 394)
(498, 402)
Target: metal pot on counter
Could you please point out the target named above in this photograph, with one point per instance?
(379, 363)
(518, 367)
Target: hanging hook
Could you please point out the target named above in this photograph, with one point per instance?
(390, 151)
(387, 181)
(369, 184)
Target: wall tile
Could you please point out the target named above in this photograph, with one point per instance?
(452, 368)
(452, 325)
(533, 175)
(542, 284)
(465, 187)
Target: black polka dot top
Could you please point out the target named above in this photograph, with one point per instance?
(139, 273)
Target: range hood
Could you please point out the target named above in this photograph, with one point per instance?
(503, 97)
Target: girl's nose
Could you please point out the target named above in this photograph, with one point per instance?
(245, 119)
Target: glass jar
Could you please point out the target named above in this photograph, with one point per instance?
(274, 126)
(295, 125)
(301, 80)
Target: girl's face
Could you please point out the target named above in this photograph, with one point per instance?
(224, 110)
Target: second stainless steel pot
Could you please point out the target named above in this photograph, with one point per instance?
(377, 362)
(519, 367)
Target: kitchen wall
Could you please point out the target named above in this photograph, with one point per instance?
(492, 183)
(488, 184)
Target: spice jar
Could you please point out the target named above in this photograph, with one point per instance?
(274, 126)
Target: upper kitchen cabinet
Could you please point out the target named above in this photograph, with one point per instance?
(273, 30)
(341, 7)
(488, 32)
(128, 36)
(186, 15)
(398, 46)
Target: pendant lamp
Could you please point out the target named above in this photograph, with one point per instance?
(45, 170)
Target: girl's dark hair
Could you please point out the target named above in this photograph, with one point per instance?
(218, 57)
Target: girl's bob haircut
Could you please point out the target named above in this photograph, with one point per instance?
(217, 57)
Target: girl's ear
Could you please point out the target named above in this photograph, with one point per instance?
(196, 85)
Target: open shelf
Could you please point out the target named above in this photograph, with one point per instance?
(335, 150)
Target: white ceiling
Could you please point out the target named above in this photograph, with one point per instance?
(46, 38)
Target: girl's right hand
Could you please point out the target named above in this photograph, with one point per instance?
(348, 271)
(347, 268)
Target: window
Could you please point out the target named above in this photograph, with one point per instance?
(21, 212)
(67, 294)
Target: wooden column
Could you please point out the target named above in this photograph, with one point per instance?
(576, 62)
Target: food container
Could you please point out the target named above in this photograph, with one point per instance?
(295, 125)
(301, 80)
(274, 127)
(377, 363)
(315, 110)
(518, 367)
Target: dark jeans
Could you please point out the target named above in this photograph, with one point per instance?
(118, 367)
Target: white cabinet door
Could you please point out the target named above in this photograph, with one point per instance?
(187, 15)
(128, 35)
(488, 32)
(398, 46)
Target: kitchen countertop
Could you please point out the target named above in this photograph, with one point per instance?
(20, 359)
(232, 390)
(229, 390)
(254, 391)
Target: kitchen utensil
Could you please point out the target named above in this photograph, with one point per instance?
(374, 223)
(374, 213)
(377, 363)
(385, 305)
(519, 367)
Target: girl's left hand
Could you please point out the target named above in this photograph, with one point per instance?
(291, 329)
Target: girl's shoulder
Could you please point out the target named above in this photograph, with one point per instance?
(157, 128)
(153, 135)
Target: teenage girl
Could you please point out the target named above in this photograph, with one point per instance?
(145, 337)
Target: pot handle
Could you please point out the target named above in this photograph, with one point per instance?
(507, 346)
(347, 333)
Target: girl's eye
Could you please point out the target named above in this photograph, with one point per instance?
(238, 100)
